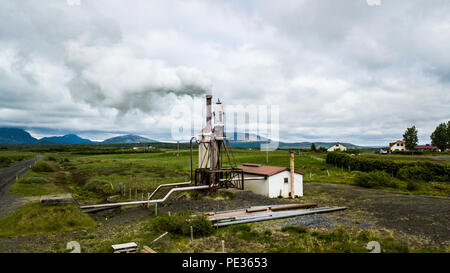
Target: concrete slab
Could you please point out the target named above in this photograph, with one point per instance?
(57, 199)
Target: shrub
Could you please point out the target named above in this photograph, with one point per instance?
(95, 185)
(375, 179)
(431, 170)
(295, 229)
(34, 180)
(181, 223)
(5, 160)
(414, 173)
(51, 158)
(42, 167)
(244, 232)
(412, 186)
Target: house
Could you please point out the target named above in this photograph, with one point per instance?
(271, 181)
(337, 146)
(426, 148)
(398, 146)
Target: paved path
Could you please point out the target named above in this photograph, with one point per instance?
(9, 202)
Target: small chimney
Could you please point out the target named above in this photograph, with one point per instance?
(208, 111)
(291, 155)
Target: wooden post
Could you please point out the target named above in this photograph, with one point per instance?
(192, 233)
(135, 196)
(328, 173)
(223, 246)
(17, 177)
(130, 193)
(148, 197)
(156, 209)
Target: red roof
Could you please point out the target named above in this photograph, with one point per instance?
(260, 169)
(427, 146)
(398, 141)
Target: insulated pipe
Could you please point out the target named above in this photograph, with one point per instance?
(145, 202)
(208, 111)
(245, 178)
(190, 147)
(168, 185)
(291, 155)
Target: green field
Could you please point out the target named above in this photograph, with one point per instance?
(143, 172)
(93, 175)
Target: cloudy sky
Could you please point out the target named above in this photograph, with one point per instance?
(338, 70)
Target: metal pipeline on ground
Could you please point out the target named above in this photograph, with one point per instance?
(145, 202)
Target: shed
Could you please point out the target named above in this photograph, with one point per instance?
(271, 181)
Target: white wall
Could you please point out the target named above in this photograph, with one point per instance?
(276, 183)
(256, 186)
(272, 185)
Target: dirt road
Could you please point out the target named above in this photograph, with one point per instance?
(9, 203)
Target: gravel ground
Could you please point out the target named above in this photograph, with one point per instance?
(423, 218)
(313, 220)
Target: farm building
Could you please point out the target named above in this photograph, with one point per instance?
(399, 146)
(426, 148)
(271, 181)
(336, 147)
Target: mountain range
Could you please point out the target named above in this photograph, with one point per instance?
(128, 139)
(20, 136)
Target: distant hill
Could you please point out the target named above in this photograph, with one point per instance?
(66, 139)
(16, 136)
(128, 139)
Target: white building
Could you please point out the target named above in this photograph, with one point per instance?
(399, 146)
(336, 147)
(271, 181)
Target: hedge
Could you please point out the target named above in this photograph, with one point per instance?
(410, 170)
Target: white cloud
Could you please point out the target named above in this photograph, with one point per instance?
(339, 71)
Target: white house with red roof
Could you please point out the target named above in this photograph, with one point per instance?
(271, 181)
(426, 147)
(398, 146)
(337, 147)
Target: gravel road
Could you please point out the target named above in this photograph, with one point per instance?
(8, 202)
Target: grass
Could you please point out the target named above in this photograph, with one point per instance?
(34, 218)
(10, 158)
(145, 171)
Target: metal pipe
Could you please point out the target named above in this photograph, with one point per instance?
(190, 148)
(167, 185)
(145, 202)
(291, 156)
(245, 178)
(280, 215)
(208, 111)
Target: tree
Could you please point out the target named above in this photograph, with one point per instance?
(313, 147)
(441, 136)
(410, 137)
